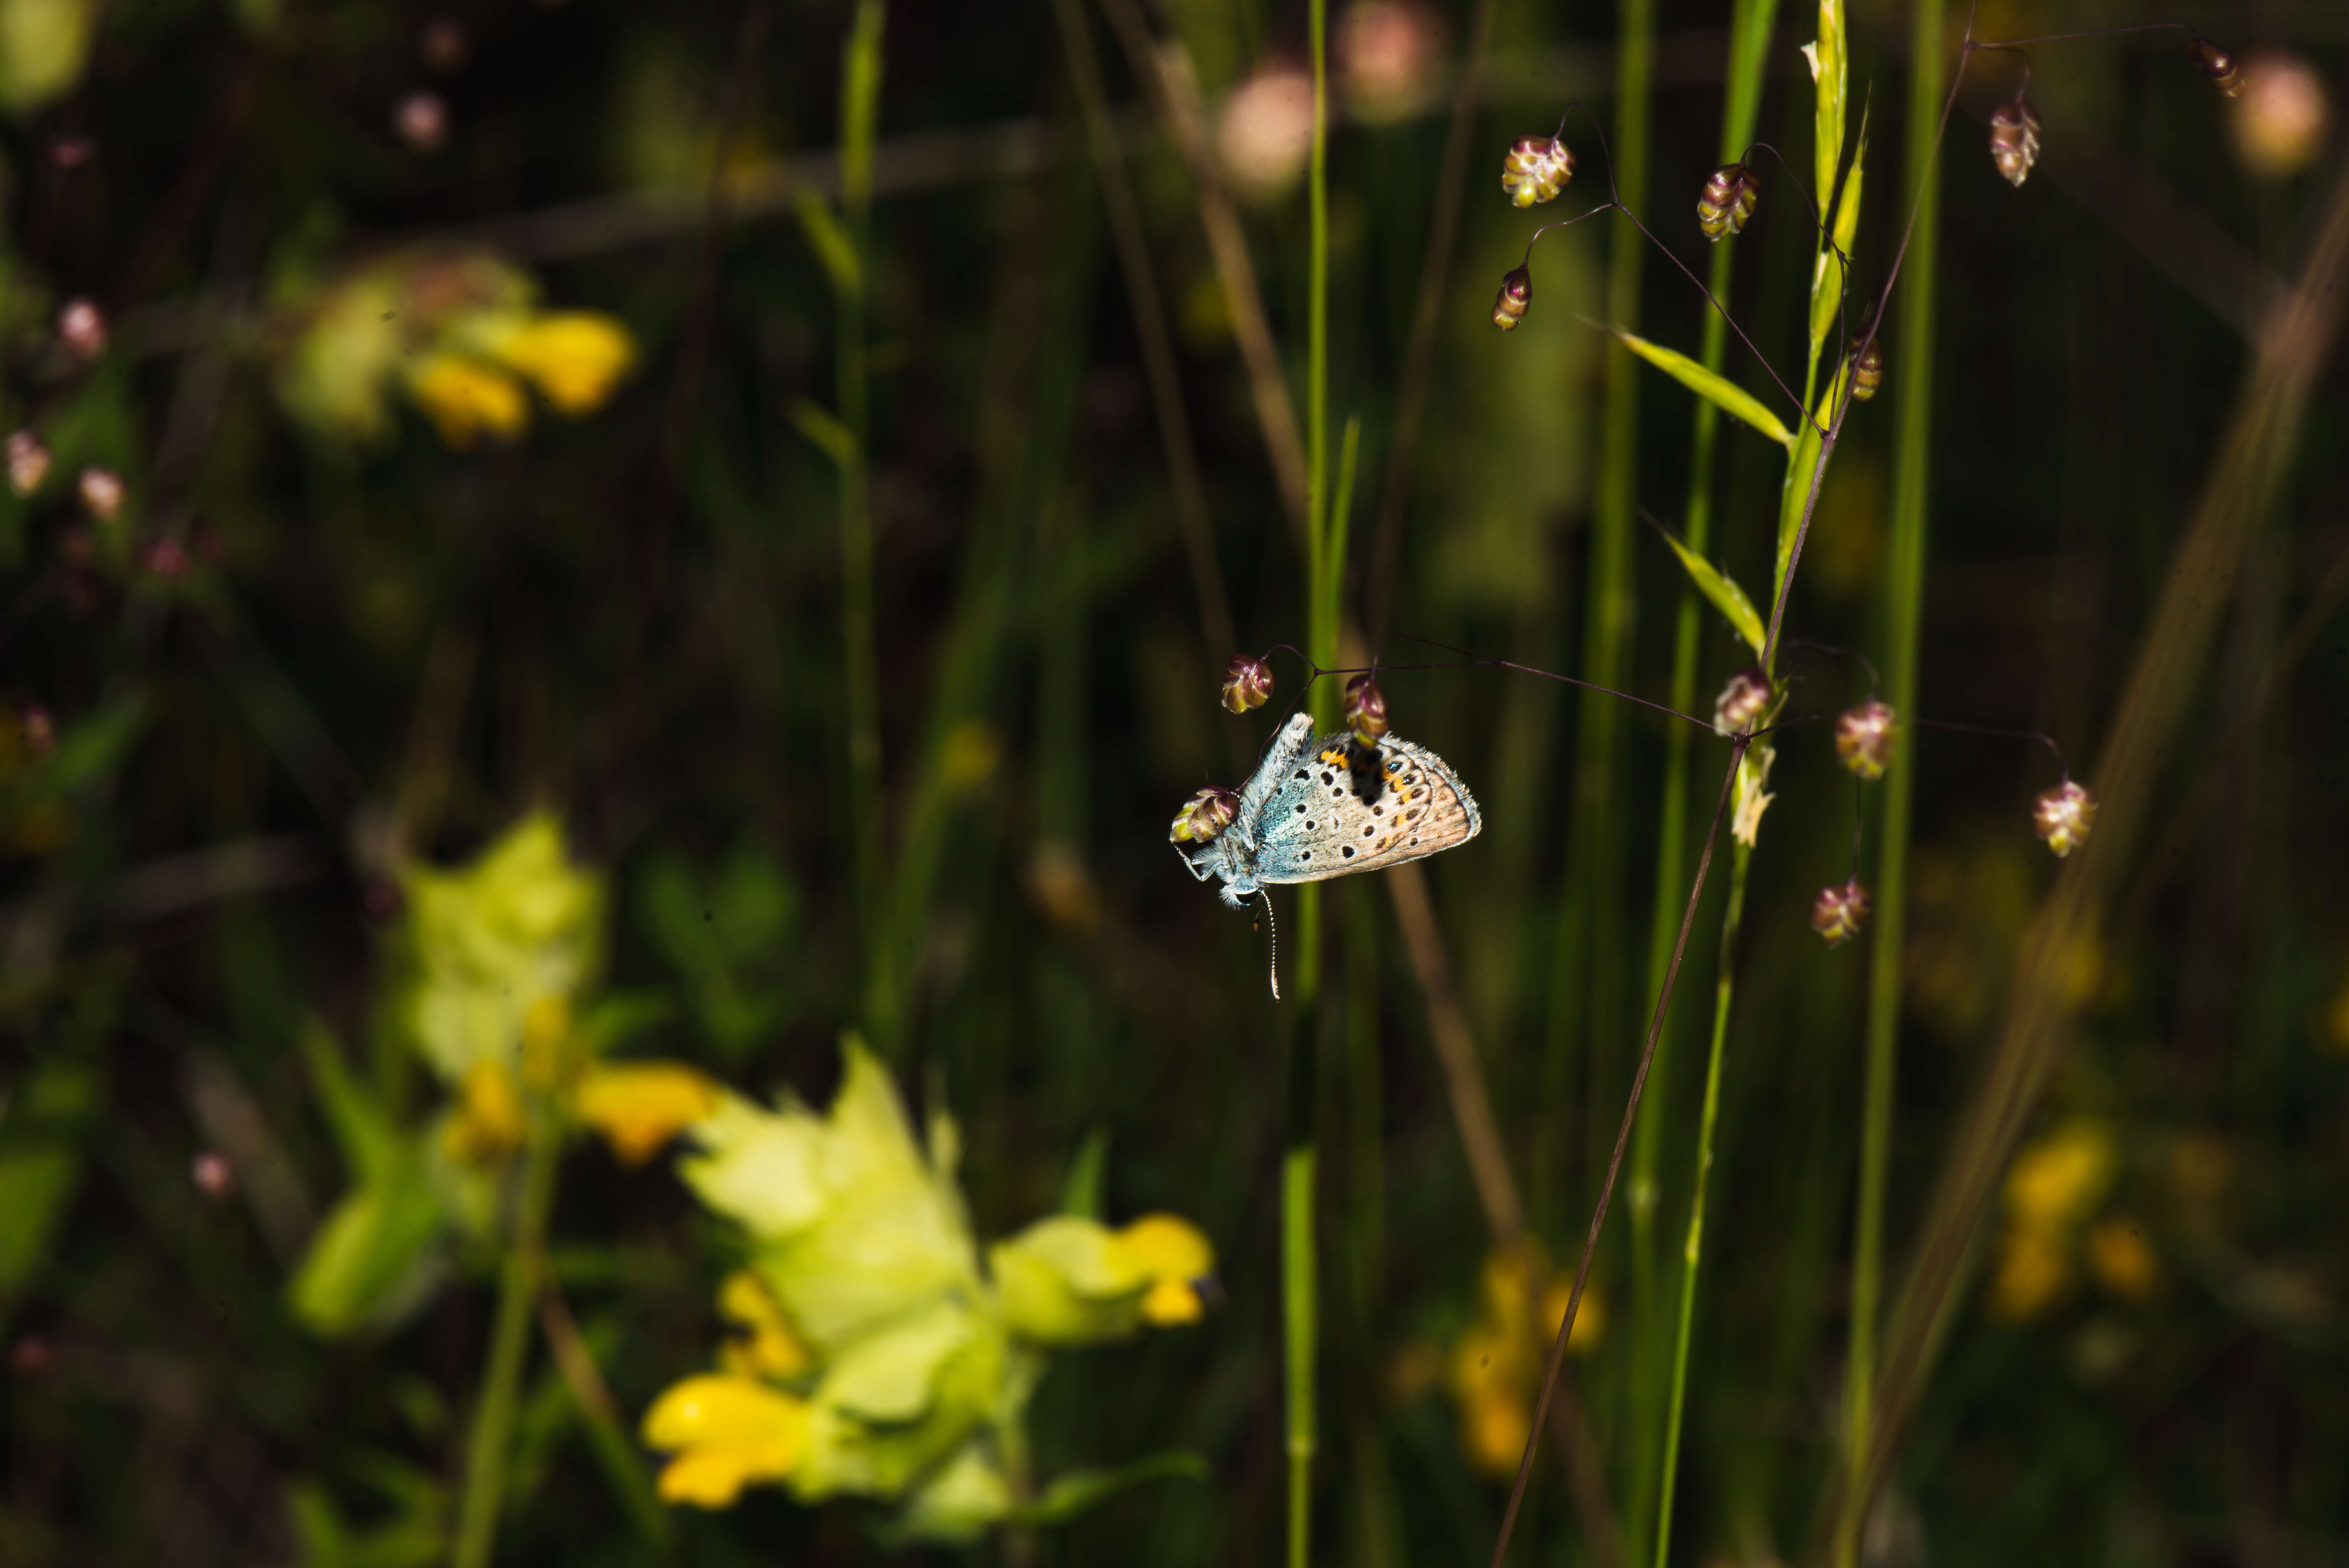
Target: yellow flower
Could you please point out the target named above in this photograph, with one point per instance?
(487, 1125)
(639, 1106)
(1068, 1280)
(2122, 1260)
(1495, 1369)
(725, 1433)
(2033, 1269)
(574, 356)
(465, 397)
(768, 1346)
(2058, 1181)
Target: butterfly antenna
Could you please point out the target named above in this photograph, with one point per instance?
(1272, 935)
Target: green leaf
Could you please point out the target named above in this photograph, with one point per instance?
(1830, 283)
(1079, 1490)
(827, 239)
(835, 440)
(1081, 1194)
(1710, 385)
(41, 1127)
(1723, 592)
(1828, 67)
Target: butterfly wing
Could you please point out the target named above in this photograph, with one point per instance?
(1315, 824)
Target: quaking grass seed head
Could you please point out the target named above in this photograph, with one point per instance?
(1743, 702)
(2064, 817)
(2226, 73)
(1863, 740)
(1205, 816)
(2014, 140)
(1366, 710)
(28, 461)
(1727, 201)
(1838, 912)
(1867, 369)
(1517, 298)
(1247, 683)
(1537, 168)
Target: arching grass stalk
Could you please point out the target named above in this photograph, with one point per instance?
(1904, 611)
(1301, 1338)
(1750, 26)
(860, 106)
(494, 1419)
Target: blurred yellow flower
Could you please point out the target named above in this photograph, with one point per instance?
(767, 1345)
(1176, 1257)
(44, 45)
(574, 357)
(2122, 1260)
(1494, 1370)
(2336, 1018)
(724, 1433)
(2060, 1180)
(1068, 1280)
(639, 1106)
(465, 398)
(486, 1124)
(2033, 1269)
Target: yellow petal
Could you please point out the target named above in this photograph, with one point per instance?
(1590, 1318)
(638, 1107)
(712, 1411)
(1171, 1302)
(2059, 1180)
(574, 357)
(2032, 1273)
(2122, 1261)
(465, 398)
(771, 1347)
(487, 1125)
(1167, 1246)
(715, 1477)
(1492, 1429)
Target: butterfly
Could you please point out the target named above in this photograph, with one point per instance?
(1317, 810)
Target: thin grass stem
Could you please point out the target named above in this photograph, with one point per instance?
(494, 1419)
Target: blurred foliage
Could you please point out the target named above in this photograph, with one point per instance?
(425, 800)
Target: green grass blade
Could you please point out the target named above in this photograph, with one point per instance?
(1723, 592)
(1710, 385)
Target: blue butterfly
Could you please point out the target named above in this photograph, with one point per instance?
(1318, 810)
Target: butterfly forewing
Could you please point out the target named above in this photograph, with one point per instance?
(1325, 817)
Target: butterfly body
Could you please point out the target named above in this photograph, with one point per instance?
(1317, 810)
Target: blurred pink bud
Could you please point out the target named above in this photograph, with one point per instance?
(1387, 55)
(1265, 132)
(70, 153)
(40, 730)
(1743, 702)
(81, 327)
(1204, 816)
(1537, 168)
(1247, 683)
(214, 1176)
(30, 1356)
(28, 461)
(1366, 710)
(2014, 140)
(1516, 298)
(1863, 738)
(2064, 817)
(443, 44)
(2225, 73)
(2281, 120)
(422, 120)
(165, 557)
(101, 493)
(1839, 912)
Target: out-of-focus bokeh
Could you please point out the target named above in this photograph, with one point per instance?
(603, 609)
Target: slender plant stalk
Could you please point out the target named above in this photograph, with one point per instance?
(860, 104)
(1693, 1248)
(493, 1417)
(1587, 976)
(1750, 25)
(1904, 612)
(1299, 1287)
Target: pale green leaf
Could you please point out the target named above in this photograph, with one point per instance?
(1710, 385)
(1827, 72)
(1830, 284)
(1071, 1494)
(1722, 589)
(47, 1113)
(827, 239)
(833, 438)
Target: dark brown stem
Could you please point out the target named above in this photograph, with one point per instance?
(1615, 1161)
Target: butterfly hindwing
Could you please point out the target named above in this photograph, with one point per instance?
(1327, 815)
